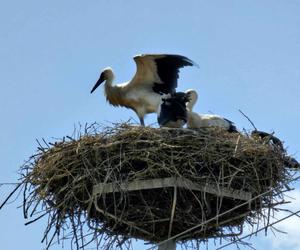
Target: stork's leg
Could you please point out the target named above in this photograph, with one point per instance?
(142, 121)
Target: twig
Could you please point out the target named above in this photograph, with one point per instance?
(212, 219)
(116, 218)
(173, 210)
(10, 195)
(248, 119)
(27, 223)
(263, 228)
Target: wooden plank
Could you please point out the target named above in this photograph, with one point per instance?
(104, 188)
(134, 185)
(215, 189)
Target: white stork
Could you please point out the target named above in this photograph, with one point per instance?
(156, 75)
(196, 120)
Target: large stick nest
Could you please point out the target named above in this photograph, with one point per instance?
(62, 178)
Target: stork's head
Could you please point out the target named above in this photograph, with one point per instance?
(106, 74)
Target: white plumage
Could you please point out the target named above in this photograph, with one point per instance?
(156, 75)
(196, 120)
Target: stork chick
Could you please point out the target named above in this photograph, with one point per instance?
(172, 112)
(156, 75)
(196, 120)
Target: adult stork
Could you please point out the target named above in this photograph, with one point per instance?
(196, 120)
(156, 75)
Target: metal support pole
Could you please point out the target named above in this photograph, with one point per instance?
(169, 245)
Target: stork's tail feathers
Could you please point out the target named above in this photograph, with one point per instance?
(231, 128)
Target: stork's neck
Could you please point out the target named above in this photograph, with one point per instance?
(192, 101)
(109, 77)
(113, 92)
(109, 82)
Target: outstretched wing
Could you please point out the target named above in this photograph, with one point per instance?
(160, 71)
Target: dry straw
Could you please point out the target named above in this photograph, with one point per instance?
(110, 185)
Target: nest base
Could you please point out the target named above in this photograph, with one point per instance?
(130, 182)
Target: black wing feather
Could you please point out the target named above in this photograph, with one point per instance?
(168, 71)
(173, 109)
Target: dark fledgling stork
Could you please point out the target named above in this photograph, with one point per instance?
(156, 75)
(172, 112)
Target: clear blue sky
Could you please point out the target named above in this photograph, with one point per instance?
(51, 54)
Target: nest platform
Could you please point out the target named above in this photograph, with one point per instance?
(127, 182)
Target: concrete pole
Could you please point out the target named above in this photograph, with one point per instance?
(169, 245)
